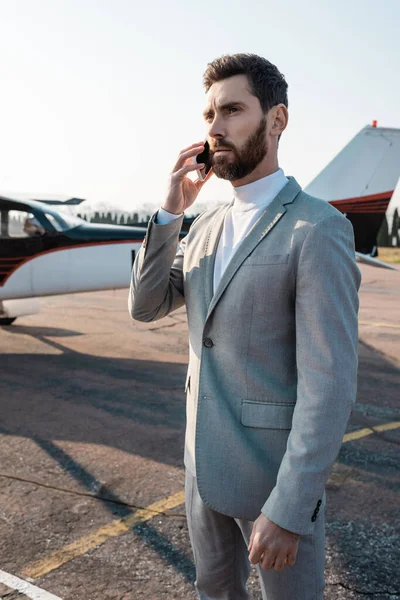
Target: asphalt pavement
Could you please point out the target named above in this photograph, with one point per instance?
(91, 455)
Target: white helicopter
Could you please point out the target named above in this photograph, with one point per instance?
(46, 252)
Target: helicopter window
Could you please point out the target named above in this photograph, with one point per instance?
(19, 224)
(56, 223)
(64, 221)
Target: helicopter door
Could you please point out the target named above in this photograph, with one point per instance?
(50, 270)
(17, 246)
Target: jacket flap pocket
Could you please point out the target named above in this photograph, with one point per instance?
(266, 415)
(267, 259)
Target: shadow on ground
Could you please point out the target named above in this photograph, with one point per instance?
(129, 403)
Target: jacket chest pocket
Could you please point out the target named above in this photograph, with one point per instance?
(269, 280)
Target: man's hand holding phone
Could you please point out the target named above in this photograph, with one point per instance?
(182, 191)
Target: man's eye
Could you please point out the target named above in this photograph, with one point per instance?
(232, 109)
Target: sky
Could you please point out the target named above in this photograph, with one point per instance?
(98, 97)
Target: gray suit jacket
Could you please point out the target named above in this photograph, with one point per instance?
(273, 352)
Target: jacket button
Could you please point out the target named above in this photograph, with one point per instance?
(319, 503)
(208, 343)
(314, 518)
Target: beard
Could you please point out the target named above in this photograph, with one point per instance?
(246, 159)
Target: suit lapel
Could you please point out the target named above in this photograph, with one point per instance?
(268, 219)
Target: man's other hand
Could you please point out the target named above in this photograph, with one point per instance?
(272, 546)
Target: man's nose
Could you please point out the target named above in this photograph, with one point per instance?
(216, 129)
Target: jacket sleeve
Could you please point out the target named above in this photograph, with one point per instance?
(326, 308)
(156, 287)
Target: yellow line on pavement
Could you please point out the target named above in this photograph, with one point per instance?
(114, 529)
(375, 324)
(356, 435)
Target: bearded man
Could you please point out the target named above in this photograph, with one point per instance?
(270, 285)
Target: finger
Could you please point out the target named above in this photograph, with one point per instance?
(255, 554)
(185, 170)
(291, 559)
(192, 146)
(199, 183)
(267, 561)
(280, 562)
(184, 155)
(201, 143)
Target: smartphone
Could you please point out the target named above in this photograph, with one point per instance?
(205, 158)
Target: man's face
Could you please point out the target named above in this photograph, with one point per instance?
(237, 128)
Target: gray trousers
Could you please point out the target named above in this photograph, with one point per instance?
(220, 552)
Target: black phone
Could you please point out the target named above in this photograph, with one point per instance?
(204, 157)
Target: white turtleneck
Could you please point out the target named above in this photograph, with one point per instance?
(249, 202)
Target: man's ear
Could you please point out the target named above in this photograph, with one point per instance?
(279, 118)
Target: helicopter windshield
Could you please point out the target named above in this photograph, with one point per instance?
(63, 222)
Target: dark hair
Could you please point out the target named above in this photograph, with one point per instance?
(266, 82)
